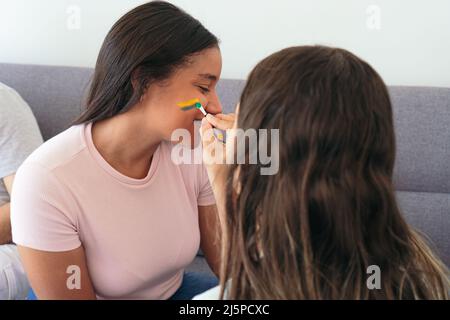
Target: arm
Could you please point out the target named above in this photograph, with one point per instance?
(5, 224)
(210, 227)
(210, 236)
(5, 221)
(58, 275)
(217, 171)
(20, 135)
(45, 229)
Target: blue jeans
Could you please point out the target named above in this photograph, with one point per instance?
(193, 284)
(31, 295)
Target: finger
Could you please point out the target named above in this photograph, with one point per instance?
(206, 132)
(219, 123)
(210, 144)
(229, 116)
(204, 126)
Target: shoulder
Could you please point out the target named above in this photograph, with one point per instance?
(6, 91)
(59, 150)
(15, 112)
(41, 180)
(11, 101)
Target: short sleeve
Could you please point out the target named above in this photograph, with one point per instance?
(19, 131)
(206, 195)
(43, 215)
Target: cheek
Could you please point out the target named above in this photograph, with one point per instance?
(184, 119)
(177, 119)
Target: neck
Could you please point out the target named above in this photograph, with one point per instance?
(126, 143)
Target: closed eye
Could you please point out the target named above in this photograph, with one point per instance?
(203, 89)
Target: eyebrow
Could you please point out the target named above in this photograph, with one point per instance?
(208, 76)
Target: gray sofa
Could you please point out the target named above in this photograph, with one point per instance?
(422, 120)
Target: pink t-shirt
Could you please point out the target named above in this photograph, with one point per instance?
(138, 234)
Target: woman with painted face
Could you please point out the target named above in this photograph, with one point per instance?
(101, 210)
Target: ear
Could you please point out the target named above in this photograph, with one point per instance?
(135, 79)
(136, 83)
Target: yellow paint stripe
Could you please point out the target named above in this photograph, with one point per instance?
(188, 103)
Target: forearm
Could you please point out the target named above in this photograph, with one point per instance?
(210, 236)
(211, 248)
(5, 224)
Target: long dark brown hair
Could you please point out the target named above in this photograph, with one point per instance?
(312, 230)
(144, 46)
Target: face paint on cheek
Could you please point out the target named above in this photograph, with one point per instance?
(192, 104)
(195, 103)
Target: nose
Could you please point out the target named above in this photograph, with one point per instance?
(214, 106)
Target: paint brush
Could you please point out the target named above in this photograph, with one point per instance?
(195, 103)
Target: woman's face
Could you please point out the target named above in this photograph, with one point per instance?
(197, 79)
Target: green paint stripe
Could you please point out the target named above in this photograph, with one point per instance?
(187, 108)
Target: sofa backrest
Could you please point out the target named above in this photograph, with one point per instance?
(422, 124)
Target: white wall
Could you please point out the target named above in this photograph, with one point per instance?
(410, 47)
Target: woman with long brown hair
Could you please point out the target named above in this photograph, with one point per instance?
(315, 228)
(101, 211)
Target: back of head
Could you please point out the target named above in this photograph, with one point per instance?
(313, 229)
